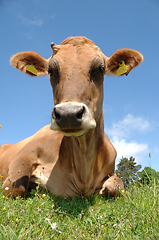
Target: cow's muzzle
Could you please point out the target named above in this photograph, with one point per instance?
(72, 118)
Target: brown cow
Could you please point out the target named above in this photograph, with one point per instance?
(72, 156)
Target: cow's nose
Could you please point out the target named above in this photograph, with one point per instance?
(72, 118)
(68, 116)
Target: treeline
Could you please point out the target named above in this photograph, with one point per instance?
(128, 171)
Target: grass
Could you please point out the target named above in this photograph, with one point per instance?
(40, 215)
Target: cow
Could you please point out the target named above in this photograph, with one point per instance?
(72, 156)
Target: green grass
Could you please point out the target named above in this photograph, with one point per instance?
(40, 215)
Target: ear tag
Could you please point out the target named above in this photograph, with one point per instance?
(31, 68)
(122, 69)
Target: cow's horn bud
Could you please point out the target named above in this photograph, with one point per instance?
(55, 48)
(52, 45)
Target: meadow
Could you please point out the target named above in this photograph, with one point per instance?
(40, 215)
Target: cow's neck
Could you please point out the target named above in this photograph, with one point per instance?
(85, 151)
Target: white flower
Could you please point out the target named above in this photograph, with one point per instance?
(53, 225)
(6, 188)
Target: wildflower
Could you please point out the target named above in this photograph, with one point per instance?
(3, 196)
(53, 225)
(1, 176)
(4, 209)
(44, 195)
(122, 191)
(17, 220)
(22, 210)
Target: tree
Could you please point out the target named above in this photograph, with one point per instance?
(148, 174)
(127, 170)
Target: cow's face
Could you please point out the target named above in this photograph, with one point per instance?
(76, 75)
(76, 71)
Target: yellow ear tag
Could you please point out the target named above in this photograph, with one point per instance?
(31, 68)
(122, 69)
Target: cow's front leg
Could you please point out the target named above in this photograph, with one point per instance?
(112, 186)
(18, 178)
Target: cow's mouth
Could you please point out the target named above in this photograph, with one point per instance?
(72, 132)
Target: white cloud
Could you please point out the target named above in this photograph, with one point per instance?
(130, 123)
(36, 22)
(119, 135)
(127, 149)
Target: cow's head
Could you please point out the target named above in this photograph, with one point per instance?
(76, 68)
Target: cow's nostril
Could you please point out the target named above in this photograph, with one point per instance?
(80, 114)
(57, 115)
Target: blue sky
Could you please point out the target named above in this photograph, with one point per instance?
(131, 103)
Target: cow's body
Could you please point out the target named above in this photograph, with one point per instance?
(73, 156)
(65, 165)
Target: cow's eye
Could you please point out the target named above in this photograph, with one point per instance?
(54, 68)
(101, 69)
(50, 71)
(97, 68)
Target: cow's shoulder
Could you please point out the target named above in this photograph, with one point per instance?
(44, 145)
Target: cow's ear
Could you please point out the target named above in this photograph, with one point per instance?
(123, 61)
(30, 62)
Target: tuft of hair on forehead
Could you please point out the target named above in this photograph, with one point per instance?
(77, 41)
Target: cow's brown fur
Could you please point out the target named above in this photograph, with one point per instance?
(71, 158)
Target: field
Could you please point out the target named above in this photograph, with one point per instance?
(135, 215)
